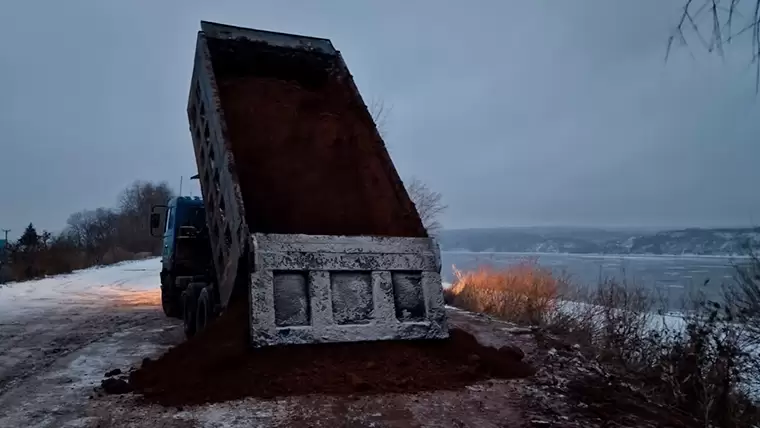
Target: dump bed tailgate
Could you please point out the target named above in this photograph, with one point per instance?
(315, 288)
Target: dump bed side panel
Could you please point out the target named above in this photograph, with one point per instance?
(311, 289)
(225, 215)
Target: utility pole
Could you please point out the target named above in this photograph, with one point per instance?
(180, 185)
(6, 233)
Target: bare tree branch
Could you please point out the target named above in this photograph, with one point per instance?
(722, 14)
(429, 204)
(380, 113)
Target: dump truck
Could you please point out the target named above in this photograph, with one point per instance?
(303, 217)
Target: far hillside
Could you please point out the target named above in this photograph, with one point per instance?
(697, 241)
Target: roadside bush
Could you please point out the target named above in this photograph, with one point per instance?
(61, 255)
(91, 237)
(707, 367)
(523, 293)
(116, 255)
(745, 296)
(701, 365)
(622, 322)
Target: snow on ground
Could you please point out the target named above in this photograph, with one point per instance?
(128, 280)
(59, 335)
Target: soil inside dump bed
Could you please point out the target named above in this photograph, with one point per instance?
(217, 365)
(306, 151)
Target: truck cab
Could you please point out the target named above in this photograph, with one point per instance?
(186, 253)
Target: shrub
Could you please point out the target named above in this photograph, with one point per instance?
(699, 365)
(745, 296)
(92, 237)
(524, 293)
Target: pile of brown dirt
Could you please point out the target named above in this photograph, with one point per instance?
(308, 157)
(217, 366)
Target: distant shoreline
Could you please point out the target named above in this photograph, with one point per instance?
(606, 255)
(686, 243)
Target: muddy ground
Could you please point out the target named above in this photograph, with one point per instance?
(53, 359)
(60, 336)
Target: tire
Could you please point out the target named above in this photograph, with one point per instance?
(170, 304)
(204, 313)
(189, 307)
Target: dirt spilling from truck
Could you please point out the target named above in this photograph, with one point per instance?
(307, 153)
(217, 365)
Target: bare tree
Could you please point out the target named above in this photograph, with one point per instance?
(93, 231)
(379, 112)
(429, 204)
(716, 23)
(135, 204)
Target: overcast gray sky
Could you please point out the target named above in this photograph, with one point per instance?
(520, 113)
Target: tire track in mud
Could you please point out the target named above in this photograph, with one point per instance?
(33, 344)
(62, 355)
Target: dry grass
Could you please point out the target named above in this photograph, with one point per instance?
(524, 293)
(697, 369)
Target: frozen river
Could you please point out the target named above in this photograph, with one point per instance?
(673, 277)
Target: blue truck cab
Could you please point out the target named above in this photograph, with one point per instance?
(181, 211)
(186, 253)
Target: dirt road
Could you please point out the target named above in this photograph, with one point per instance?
(59, 336)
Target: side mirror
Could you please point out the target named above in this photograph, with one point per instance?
(157, 220)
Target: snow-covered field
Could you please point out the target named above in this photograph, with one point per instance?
(128, 280)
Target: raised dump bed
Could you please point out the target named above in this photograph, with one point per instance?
(304, 206)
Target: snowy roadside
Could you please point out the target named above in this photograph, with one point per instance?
(59, 335)
(133, 280)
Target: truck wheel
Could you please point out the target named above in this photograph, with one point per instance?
(205, 310)
(189, 307)
(170, 304)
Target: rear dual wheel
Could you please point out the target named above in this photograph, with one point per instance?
(197, 308)
(204, 313)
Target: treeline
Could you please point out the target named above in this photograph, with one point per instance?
(92, 237)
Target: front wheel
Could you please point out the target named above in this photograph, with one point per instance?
(170, 304)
